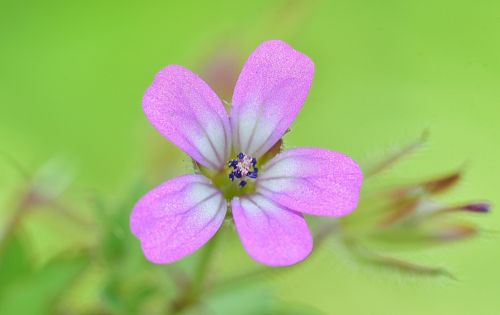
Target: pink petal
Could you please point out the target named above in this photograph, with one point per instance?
(269, 94)
(312, 181)
(184, 109)
(178, 217)
(271, 234)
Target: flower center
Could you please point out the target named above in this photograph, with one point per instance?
(244, 167)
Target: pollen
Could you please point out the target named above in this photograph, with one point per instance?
(243, 168)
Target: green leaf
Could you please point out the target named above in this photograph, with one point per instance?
(248, 300)
(283, 308)
(14, 262)
(116, 234)
(38, 293)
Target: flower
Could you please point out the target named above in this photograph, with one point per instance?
(267, 193)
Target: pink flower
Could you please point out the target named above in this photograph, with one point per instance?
(267, 197)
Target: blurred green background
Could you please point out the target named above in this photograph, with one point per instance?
(72, 75)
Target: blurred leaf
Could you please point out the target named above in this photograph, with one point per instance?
(248, 300)
(14, 262)
(116, 235)
(37, 294)
(130, 282)
(52, 179)
(283, 308)
(127, 297)
(14, 163)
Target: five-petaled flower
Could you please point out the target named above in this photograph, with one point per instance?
(266, 193)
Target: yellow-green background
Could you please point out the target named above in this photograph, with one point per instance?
(72, 75)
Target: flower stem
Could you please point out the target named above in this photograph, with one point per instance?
(203, 267)
(259, 272)
(190, 294)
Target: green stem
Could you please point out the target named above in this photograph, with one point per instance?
(257, 273)
(12, 225)
(203, 267)
(190, 294)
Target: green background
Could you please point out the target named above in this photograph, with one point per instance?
(72, 75)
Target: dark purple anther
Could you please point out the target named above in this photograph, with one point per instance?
(243, 167)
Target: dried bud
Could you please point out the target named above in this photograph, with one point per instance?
(454, 232)
(480, 207)
(431, 187)
(477, 207)
(275, 149)
(221, 69)
(443, 183)
(400, 210)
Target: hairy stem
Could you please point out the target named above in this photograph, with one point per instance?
(203, 267)
(319, 238)
(191, 293)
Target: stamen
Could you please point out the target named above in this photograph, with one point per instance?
(233, 163)
(243, 167)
